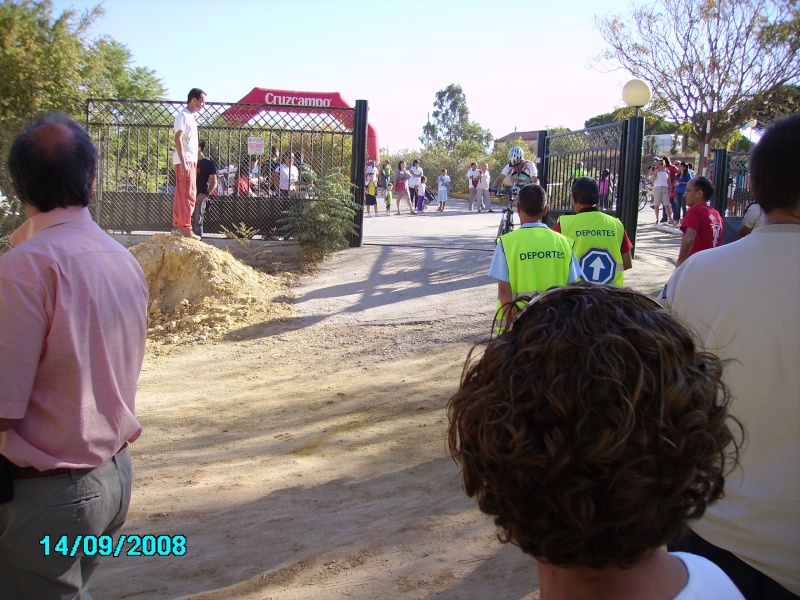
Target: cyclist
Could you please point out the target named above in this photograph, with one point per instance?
(518, 172)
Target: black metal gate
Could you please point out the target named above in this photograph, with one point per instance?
(731, 178)
(135, 140)
(588, 152)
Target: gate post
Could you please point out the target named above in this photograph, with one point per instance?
(720, 198)
(98, 182)
(541, 156)
(358, 167)
(628, 209)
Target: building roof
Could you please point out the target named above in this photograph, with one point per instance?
(528, 136)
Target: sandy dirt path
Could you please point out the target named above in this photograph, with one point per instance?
(305, 457)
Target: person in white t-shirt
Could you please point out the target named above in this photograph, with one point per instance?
(753, 218)
(286, 175)
(184, 160)
(592, 485)
(443, 182)
(742, 299)
(416, 172)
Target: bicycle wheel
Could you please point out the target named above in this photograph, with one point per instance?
(643, 198)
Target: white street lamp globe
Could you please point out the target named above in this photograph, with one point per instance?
(752, 123)
(636, 93)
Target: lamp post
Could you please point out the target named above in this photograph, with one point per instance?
(636, 93)
(751, 124)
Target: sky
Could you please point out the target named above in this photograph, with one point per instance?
(522, 65)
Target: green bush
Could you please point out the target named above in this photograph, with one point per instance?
(324, 222)
(10, 219)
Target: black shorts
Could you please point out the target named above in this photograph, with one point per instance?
(371, 200)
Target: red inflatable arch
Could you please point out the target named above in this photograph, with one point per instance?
(299, 102)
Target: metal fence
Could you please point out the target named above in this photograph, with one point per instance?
(587, 152)
(731, 177)
(136, 143)
(616, 147)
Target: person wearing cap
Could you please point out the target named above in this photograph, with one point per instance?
(602, 247)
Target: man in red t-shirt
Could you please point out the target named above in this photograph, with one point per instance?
(702, 225)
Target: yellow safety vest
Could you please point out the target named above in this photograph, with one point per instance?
(598, 238)
(538, 258)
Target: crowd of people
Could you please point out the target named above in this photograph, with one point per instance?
(597, 427)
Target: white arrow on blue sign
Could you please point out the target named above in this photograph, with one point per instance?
(598, 266)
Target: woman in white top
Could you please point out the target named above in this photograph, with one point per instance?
(413, 183)
(661, 186)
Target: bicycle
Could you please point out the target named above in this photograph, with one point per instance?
(507, 218)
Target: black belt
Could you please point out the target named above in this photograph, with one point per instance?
(34, 473)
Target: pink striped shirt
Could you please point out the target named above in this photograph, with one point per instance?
(73, 326)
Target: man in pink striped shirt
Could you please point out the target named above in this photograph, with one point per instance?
(73, 308)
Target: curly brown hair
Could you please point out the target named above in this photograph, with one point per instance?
(593, 429)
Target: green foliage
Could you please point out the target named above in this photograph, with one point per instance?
(240, 232)
(714, 60)
(10, 219)
(780, 103)
(324, 222)
(48, 63)
(451, 124)
(654, 124)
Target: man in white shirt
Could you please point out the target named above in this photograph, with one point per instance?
(286, 176)
(184, 160)
(742, 300)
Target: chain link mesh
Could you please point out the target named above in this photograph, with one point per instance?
(136, 143)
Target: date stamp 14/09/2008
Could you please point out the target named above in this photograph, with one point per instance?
(106, 545)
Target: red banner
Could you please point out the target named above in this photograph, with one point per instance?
(295, 101)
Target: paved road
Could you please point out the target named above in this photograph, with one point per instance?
(421, 268)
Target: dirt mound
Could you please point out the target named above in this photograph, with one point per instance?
(198, 292)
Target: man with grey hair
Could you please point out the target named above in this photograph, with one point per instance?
(73, 308)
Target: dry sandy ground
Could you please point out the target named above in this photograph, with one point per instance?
(305, 457)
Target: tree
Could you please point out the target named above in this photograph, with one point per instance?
(782, 102)
(707, 60)
(653, 124)
(48, 63)
(107, 73)
(451, 123)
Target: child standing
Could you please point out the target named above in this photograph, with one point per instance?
(371, 192)
(444, 187)
(421, 193)
(388, 199)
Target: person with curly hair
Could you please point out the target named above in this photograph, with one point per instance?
(592, 431)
